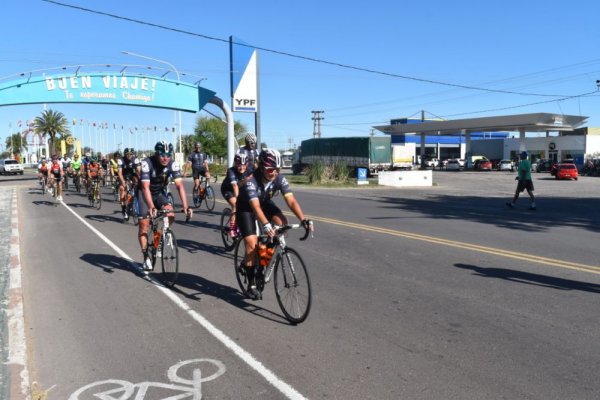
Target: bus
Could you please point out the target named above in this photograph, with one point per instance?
(286, 159)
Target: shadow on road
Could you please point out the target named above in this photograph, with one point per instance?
(107, 262)
(574, 212)
(202, 286)
(531, 279)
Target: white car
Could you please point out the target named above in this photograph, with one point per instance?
(453, 165)
(505, 165)
(10, 166)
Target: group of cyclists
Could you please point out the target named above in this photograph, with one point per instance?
(249, 187)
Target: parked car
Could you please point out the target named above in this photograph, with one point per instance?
(10, 166)
(482, 165)
(505, 165)
(566, 171)
(544, 165)
(453, 165)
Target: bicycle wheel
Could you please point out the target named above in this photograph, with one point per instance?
(134, 210)
(240, 272)
(228, 241)
(98, 196)
(77, 184)
(292, 286)
(196, 198)
(171, 200)
(169, 258)
(55, 193)
(209, 198)
(43, 186)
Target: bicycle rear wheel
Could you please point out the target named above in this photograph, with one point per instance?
(169, 258)
(228, 241)
(292, 286)
(209, 198)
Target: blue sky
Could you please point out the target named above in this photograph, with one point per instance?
(540, 51)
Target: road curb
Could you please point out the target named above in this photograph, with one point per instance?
(17, 345)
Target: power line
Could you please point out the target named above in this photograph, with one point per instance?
(346, 66)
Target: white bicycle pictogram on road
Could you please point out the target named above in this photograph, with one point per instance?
(180, 387)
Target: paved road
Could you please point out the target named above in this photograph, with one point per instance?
(437, 293)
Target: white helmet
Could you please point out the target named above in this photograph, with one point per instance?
(250, 138)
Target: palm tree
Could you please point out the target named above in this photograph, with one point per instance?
(51, 123)
(15, 143)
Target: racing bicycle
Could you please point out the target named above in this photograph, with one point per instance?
(163, 244)
(132, 203)
(95, 195)
(204, 192)
(285, 267)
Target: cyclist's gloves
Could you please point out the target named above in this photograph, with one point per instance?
(307, 224)
(267, 229)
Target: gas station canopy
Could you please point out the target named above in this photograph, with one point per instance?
(537, 122)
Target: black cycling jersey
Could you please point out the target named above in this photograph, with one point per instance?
(251, 157)
(157, 175)
(233, 176)
(128, 167)
(197, 159)
(255, 188)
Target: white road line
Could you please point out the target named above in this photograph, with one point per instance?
(244, 355)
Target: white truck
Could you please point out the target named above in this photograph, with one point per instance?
(403, 156)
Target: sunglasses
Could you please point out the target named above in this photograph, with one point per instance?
(270, 169)
(165, 155)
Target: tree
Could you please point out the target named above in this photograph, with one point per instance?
(51, 123)
(15, 143)
(212, 134)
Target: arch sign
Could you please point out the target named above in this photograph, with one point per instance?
(106, 88)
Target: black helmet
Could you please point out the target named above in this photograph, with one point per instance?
(270, 158)
(126, 151)
(117, 154)
(131, 151)
(163, 148)
(524, 155)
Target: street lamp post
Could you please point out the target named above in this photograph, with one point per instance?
(178, 80)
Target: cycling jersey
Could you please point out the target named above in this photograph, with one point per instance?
(157, 175)
(198, 159)
(55, 167)
(43, 168)
(232, 177)
(93, 168)
(128, 167)
(255, 188)
(76, 164)
(114, 166)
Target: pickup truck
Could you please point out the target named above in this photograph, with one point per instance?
(10, 166)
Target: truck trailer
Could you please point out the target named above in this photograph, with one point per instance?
(372, 153)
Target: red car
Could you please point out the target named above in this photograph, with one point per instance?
(482, 165)
(566, 171)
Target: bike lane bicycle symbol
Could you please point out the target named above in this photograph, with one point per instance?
(116, 389)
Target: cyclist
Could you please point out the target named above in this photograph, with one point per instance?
(84, 163)
(199, 162)
(235, 177)
(155, 173)
(75, 167)
(43, 170)
(56, 173)
(114, 168)
(255, 202)
(66, 164)
(93, 172)
(250, 150)
(128, 170)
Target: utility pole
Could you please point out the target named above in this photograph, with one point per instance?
(317, 123)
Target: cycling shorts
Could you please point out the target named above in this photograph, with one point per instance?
(246, 220)
(197, 173)
(160, 201)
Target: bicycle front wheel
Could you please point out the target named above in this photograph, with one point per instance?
(134, 210)
(169, 258)
(228, 241)
(292, 286)
(209, 198)
(196, 198)
(98, 197)
(240, 270)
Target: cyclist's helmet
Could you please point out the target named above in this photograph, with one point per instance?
(250, 138)
(126, 151)
(75, 155)
(270, 158)
(163, 148)
(117, 154)
(240, 158)
(93, 159)
(524, 155)
(198, 144)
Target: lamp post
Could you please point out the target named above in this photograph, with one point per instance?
(178, 80)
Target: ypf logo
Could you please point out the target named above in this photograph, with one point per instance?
(245, 102)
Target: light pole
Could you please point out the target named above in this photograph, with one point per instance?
(178, 80)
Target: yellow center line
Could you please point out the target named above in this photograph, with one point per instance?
(461, 245)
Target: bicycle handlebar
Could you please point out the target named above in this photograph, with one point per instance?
(280, 229)
(162, 213)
